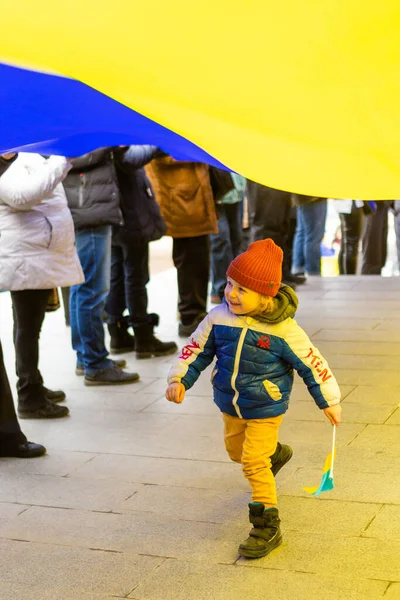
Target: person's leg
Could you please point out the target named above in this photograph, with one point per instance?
(12, 441)
(397, 229)
(28, 310)
(221, 253)
(234, 434)
(88, 298)
(261, 441)
(314, 217)
(10, 431)
(33, 398)
(121, 340)
(234, 214)
(136, 270)
(192, 260)
(374, 240)
(116, 300)
(298, 259)
(351, 227)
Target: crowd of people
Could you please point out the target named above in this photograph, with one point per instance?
(84, 225)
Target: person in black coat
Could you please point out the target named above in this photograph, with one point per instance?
(142, 223)
(12, 441)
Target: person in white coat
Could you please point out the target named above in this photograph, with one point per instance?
(37, 254)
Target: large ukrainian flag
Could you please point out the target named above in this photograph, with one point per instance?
(301, 95)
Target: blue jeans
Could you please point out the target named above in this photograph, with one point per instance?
(310, 231)
(87, 299)
(225, 245)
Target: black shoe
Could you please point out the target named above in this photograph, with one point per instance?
(48, 410)
(280, 457)
(54, 396)
(187, 330)
(289, 282)
(27, 450)
(111, 376)
(79, 370)
(298, 278)
(147, 345)
(266, 533)
(121, 339)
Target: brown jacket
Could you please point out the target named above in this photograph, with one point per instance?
(183, 191)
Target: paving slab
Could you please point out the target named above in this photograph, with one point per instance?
(224, 582)
(393, 592)
(386, 524)
(137, 533)
(331, 554)
(165, 471)
(374, 395)
(349, 485)
(16, 591)
(56, 463)
(72, 569)
(64, 492)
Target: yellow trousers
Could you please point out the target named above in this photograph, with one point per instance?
(251, 442)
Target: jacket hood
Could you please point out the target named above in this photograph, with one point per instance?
(285, 306)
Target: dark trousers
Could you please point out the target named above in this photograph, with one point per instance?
(374, 240)
(129, 277)
(29, 308)
(225, 245)
(351, 229)
(191, 257)
(10, 432)
(269, 217)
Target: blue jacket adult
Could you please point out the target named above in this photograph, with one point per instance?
(253, 375)
(142, 220)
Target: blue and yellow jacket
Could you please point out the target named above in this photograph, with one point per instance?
(256, 356)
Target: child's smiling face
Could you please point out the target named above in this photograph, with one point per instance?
(241, 300)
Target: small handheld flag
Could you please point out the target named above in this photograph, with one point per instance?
(327, 482)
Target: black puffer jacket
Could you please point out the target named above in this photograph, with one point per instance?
(143, 222)
(92, 190)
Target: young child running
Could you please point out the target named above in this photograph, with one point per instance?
(257, 344)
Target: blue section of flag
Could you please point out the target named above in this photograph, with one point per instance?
(56, 115)
(326, 484)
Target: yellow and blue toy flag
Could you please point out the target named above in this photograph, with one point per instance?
(327, 482)
(301, 96)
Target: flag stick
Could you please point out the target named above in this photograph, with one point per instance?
(333, 449)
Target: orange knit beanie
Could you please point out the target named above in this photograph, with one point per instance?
(259, 268)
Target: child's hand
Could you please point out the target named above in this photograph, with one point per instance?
(334, 414)
(175, 392)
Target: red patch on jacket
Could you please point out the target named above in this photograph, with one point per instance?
(264, 342)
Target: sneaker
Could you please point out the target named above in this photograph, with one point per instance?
(26, 450)
(79, 370)
(111, 376)
(54, 396)
(48, 410)
(216, 300)
(280, 457)
(266, 533)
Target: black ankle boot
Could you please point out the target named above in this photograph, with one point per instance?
(147, 345)
(266, 533)
(280, 457)
(121, 339)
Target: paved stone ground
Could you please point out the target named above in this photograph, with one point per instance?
(137, 498)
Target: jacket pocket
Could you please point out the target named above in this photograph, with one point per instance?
(213, 374)
(272, 389)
